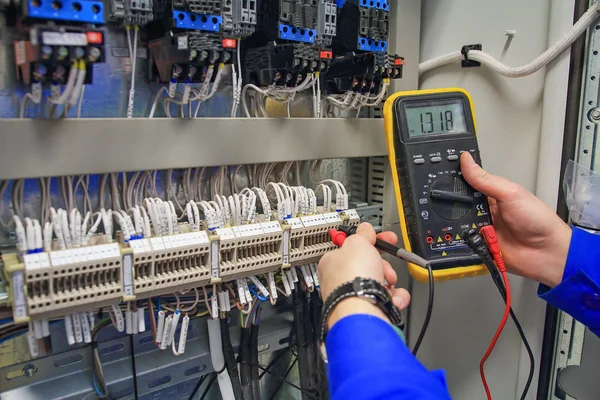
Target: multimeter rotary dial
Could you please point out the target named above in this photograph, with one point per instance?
(451, 198)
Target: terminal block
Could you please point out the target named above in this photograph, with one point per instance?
(170, 263)
(67, 281)
(48, 53)
(363, 25)
(283, 64)
(355, 71)
(77, 11)
(239, 18)
(326, 22)
(291, 20)
(131, 12)
(248, 250)
(186, 56)
(309, 237)
(202, 15)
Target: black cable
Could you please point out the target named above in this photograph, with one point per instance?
(210, 383)
(254, 362)
(229, 357)
(245, 369)
(428, 313)
(284, 380)
(497, 279)
(477, 244)
(273, 361)
(135, 385)
(301, 340)
(197, 387)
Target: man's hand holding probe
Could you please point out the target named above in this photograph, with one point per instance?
(533, 239)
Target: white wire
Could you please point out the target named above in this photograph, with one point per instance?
(133, 55)
(68, 87)
(26, 98)
(517, 72)
(156, 99)
(80, 102)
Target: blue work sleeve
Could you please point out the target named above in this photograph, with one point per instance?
(579, 292)
(367, 359)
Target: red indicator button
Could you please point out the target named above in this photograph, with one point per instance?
(229, 43)
(95, 37)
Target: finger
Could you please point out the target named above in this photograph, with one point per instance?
(401, 298)
(491, 185)
(367, 231)
(389, 237)
(389, 274)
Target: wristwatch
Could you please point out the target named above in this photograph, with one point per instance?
(366, 288)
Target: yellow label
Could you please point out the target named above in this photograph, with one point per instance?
(440, 240)
(458, 237)
(479, 214)
(474, 226)
(444, 254)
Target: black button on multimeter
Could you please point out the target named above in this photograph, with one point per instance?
(426, 131)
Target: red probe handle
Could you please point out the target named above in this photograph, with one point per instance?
(337, 237)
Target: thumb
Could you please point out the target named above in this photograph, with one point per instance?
(493, 186)
(367, 231)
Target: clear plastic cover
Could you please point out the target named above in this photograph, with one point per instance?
(582, 192)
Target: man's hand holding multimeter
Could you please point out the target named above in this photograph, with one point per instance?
(426, 133)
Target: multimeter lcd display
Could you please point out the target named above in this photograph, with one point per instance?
(436, 118)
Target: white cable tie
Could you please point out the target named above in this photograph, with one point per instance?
(85, 327)
(37, 329)
(166, 332)
(141, 317)
(241, 294)
(118, 317)
(160, 327)
(34, 349)
(69, 330)
(183, 335)
(128, 322)
(45, 328)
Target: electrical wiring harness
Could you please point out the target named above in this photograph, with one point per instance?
(144, 248)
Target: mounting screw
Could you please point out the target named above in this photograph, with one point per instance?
(29, 370)
(595, 114)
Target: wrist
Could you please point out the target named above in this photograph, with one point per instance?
(553, 266)
(354, 305)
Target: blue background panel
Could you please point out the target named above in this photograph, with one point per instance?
(289, 32)
(367, 44)
(197, 22)
(84, 11)
(379, 4)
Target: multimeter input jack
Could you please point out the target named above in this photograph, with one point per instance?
(447, 237)
(429, 239)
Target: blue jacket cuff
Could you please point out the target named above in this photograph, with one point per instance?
(367, 359)
(579, 292)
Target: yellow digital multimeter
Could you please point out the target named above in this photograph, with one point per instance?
(426, 132)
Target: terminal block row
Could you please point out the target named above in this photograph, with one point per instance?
(186, 56)
(170, 263)
(63, 282)
(48, 53)
(249, 250)
(281, 63)
(67, 281)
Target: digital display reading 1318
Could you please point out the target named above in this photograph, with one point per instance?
(432, 118)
